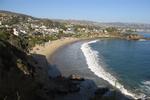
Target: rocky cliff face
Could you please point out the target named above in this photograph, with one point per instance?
(16, 74)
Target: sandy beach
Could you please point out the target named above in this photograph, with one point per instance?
(49, 48)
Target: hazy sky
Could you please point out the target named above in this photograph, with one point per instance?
(95, 10)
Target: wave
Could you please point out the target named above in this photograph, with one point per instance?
(146, 83)
(142, 39)
(93, 62)
(146, 87)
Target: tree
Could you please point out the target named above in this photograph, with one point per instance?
(111, 29)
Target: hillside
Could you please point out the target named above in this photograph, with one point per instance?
(137, 26)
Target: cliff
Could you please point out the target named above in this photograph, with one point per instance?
(16, 74)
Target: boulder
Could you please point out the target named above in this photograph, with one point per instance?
(134, 37)
(76, 77)
(101, 91)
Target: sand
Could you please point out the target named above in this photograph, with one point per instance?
(49, 48)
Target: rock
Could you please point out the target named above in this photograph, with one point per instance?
(101, 91)
(134, 37)
(74, 89)
(76, 77)
(63, 90)
(37, 49)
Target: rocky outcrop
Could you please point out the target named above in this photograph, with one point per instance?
(104, 93)
(134, 37)
(76, 77)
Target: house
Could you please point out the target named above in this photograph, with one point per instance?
(15, 32)
(43, 27)
(23, 32)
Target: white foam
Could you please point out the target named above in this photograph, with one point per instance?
(93, 63)
(146, 83)
(146, 86)
(142, 39)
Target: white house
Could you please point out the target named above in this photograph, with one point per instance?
(6, 26)
(15, 32)
(22, 31)
(43, 27)
(105, 31)
(34, 26)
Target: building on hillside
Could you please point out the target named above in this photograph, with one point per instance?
(23, 32)
(15, 32)
(18, 32)
(43, 27)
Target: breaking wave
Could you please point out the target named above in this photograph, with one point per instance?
(93, 62)
(146, 87)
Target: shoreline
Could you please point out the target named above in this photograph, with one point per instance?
(46, 52)
(49, 48)
(87, 51)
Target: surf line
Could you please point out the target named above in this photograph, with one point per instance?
(92, 61)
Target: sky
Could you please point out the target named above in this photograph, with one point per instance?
(137, 11)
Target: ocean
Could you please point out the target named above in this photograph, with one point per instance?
(125, 64)
(145, 34)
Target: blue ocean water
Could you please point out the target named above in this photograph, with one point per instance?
(145, 34)
(128, 61)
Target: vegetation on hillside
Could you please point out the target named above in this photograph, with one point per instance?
(16, 74)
